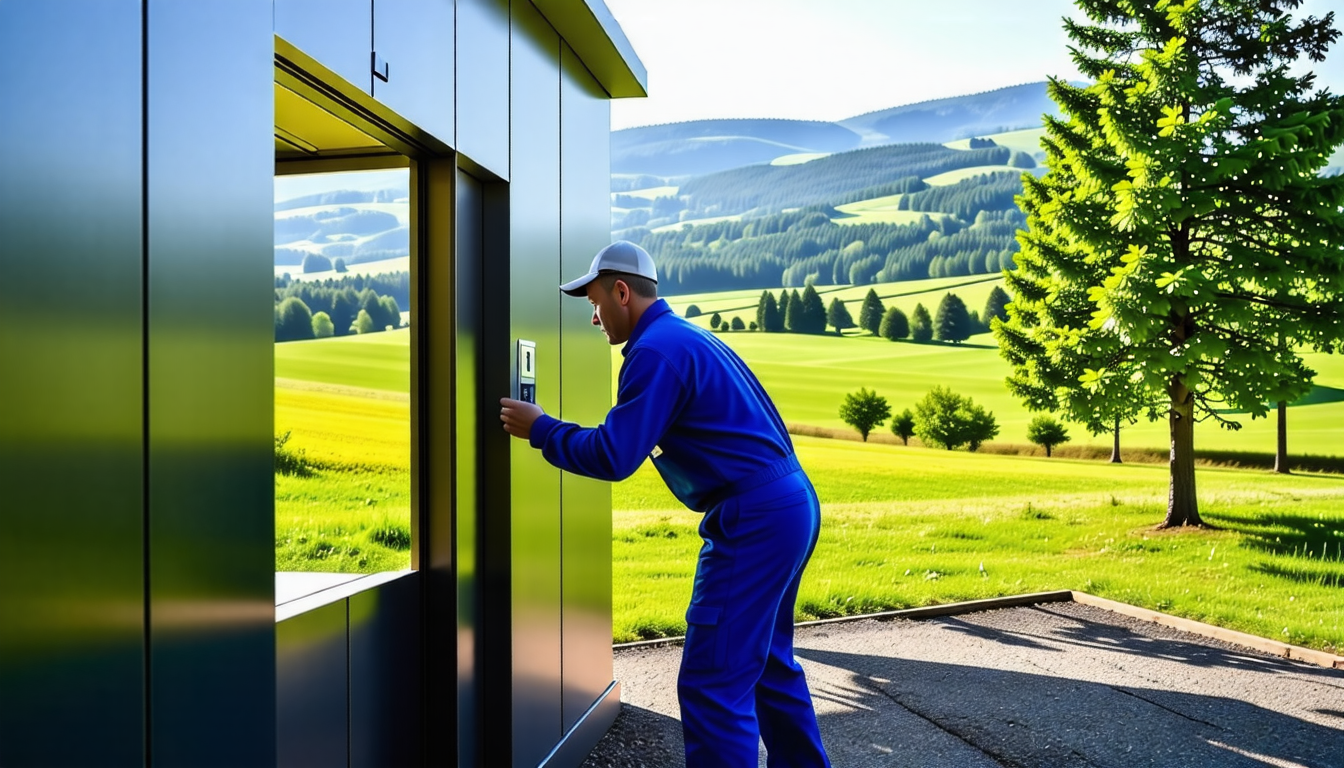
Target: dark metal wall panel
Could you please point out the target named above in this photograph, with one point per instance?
(338, 33)
(494, 569)
(210, 382)
(312, 686)
(483, 83)
(534, 254)
(415, 38)
(585, 389)
(468, 311)
(71, 415)
(386, 676)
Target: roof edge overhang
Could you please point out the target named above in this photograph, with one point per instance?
(600, 43)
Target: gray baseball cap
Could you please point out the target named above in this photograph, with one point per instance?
(620, 256)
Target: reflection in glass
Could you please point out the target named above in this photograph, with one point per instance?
(342, 372)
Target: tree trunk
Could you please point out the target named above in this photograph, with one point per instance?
(1182, 504)
(1115, 445)
(1281, 452)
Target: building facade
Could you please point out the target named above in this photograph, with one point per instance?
(142, 620)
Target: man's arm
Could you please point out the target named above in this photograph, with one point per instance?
(650, 396)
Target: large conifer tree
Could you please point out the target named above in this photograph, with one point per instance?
(1182, 249)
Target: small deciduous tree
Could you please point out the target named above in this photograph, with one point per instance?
(316, 262)
(293, 320)
(737, 324)
(693, 311)
(903, 426)
(363, 323)
(871, 313)
(339, 265)
(838, 317)
(1047, 433)
(864, 410)
(895, 326)
(949, 420)
(391, 312)
(322, 326)
(953, 322)
(715, 320)
(921, 325)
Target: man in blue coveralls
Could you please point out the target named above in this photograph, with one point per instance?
(689, 402)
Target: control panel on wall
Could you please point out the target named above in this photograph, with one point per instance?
(526, 379)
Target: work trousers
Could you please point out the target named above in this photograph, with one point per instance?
(739, 682)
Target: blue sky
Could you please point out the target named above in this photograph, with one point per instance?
(832, 59)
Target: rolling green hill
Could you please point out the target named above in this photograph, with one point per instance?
(808, 376)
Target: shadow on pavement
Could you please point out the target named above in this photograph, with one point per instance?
(1017, 718)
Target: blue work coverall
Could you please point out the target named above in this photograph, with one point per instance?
(689, 402)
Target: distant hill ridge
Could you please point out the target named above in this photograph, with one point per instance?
(698, 147)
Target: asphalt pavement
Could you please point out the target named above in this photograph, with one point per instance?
(1056, 684)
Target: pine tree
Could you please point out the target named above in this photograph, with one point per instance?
(870, 314)
(838, 317)
(895, 325)
(769, 320)
(994, 306)
(921, 325)
(952, 322)
(813, 311)
(795, 320)
(1181, 249)
(783, 310)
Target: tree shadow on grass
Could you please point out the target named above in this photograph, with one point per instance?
(1288, 535)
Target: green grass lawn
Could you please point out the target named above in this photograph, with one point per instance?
(345, 403)
(905, 527)
(808, 376)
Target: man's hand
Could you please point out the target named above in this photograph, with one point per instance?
(518, 416)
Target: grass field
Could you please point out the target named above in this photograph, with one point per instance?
(694, 222)
(961, 174)
(906, 527)
(881, 210)
(345, 403)
(798, 158)
(1026, 140)
(808, 376)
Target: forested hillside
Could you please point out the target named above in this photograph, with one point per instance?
(732, 204)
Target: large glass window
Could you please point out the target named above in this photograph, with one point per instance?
(342, 371)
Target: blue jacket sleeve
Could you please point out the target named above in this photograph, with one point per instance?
(648, 398)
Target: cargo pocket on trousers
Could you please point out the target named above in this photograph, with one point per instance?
(703, 651)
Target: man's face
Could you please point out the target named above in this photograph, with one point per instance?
(610, 312)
